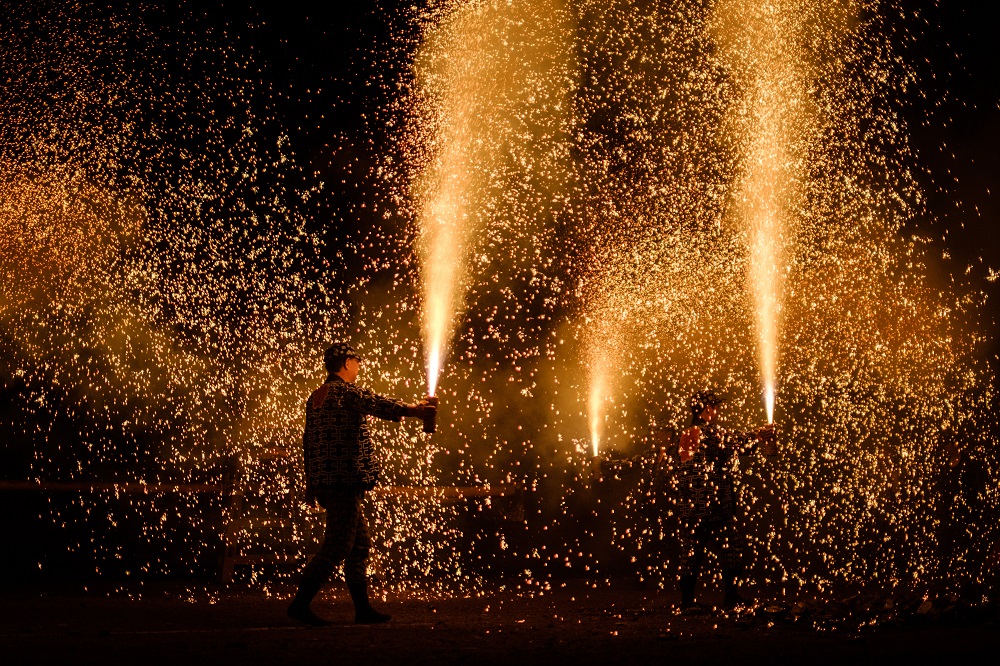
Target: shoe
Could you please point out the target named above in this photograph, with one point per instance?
(363, 611)
(305, 615)
(299, 608)
(695, 609)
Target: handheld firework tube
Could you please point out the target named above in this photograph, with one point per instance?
(430, 421)
(768, 440)
(595, 469)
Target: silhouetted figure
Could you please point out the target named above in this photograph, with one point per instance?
(340, 468)
(707, 497)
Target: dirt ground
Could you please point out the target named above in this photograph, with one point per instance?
(576, 621)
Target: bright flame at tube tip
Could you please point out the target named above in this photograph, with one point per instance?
(769, 402)
(595, 410)
(433, 368)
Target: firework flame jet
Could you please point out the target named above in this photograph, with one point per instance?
(444, 218)
(606, 345)
(443, 260)
(494, 85)
(450, 89)
(595, 404)
(767, 121)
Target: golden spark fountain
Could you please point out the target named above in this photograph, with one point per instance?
(450, 88)
(758, 40)
(606, 341)
(493, 94)
(442, 270)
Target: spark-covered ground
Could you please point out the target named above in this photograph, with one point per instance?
(186, 228)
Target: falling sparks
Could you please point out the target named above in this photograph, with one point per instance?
(663, 197)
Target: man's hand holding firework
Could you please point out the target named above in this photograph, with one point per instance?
(767, 435)
(425, 410)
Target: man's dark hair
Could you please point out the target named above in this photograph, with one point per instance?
(336, 356)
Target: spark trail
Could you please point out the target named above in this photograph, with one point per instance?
(768, 117)
(492, 92)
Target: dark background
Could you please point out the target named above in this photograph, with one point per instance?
(954, 122)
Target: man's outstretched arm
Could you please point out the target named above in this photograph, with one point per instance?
(369, 402)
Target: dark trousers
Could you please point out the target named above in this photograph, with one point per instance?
(719, 536)
(345, 540)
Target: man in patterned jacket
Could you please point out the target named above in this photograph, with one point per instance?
(707, 496)
(340, 468)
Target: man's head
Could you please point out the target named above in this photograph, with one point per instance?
(705, 405)
(343, 360)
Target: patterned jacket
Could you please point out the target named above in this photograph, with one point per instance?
(705, 483)
(336, 443)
